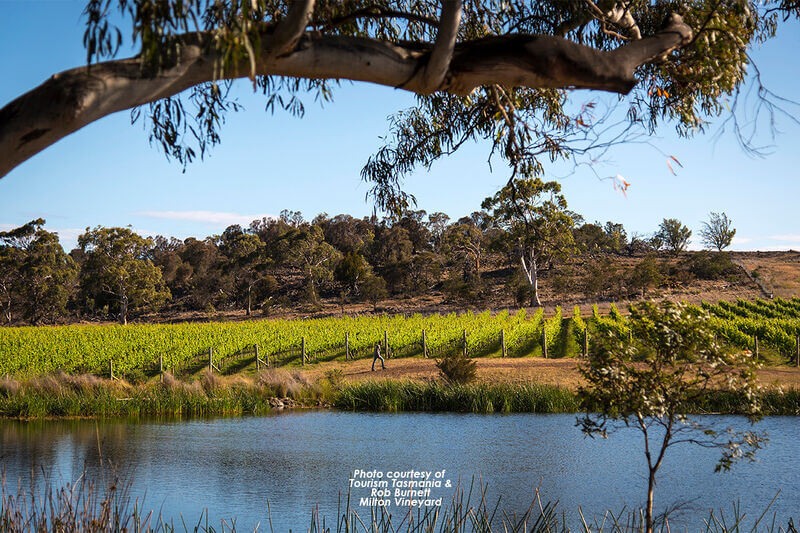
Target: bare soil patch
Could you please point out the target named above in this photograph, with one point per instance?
(559, 372)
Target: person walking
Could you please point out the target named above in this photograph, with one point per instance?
(378, 356)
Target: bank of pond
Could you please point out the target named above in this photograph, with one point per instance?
(64, 395)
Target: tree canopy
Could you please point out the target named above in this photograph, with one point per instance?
(481, 69)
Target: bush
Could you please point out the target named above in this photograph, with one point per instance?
(519, 289)
(709, 265)
(467, 291)
(457, 368)
(335, 376)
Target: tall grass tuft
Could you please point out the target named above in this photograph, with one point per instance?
(63, 395)
(390, 395)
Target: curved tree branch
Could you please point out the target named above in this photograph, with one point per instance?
(435, 70)
(74, 98)
(292, 28)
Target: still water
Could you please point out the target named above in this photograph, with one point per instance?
(231, 467)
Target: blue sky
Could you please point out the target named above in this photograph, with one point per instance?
(107, 174)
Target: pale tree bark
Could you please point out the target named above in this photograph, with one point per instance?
(74, 98)
(531, 271)
(249, 291)
(123, 307)
(435, 70)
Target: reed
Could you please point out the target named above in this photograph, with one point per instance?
(64, 396)
(394, 396)
(106, 506)
(391, 395)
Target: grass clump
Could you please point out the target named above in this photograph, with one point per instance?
(457, 368)
(393, 396)
(64, 395)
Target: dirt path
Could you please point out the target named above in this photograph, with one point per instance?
(562, 372)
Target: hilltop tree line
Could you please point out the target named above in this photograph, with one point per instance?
(523, 232)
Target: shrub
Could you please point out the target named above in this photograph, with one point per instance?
(335, 377)
(457, 368)
(709, 265)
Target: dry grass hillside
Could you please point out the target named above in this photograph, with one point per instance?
(757, 274)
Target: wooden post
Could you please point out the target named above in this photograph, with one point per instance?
(797, 354)
(755, 344)
(258, 361)
(303, 350)
(161, 367)
(544, 342)
(503, 342)
(424, 344)
(211, 359)
(110, 369)
(346, 346)
(630, 336)
(386, 343)
(465, 343)
(586, 342)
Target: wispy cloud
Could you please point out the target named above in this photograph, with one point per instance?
(791, 237)
(205, 217)
(741, 240)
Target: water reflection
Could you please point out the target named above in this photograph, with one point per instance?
(300, 459)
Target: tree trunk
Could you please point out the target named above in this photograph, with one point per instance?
(123, 309)
(532, 274)
(651, 483)
(248, 299)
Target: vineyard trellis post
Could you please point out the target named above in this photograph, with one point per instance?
(755, 346)
(465, 343)
(211, 359)
(425, 344)
(586, 342)
(503, 342)
(386, 343)
(797, 352)
(303, 350)
(544, 341)
(346, 346)
(110, 369)
(161, 367)
(258, 361)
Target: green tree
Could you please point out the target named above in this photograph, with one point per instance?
(15, 242)
(537, 223)
(117, 270)
(645, 275)
(718, 231)
(672, 235)
(316, 258)
(351, 271)
(499, 71)
(47, 274)
(463, 243)
(36, 272)
(654, 383)
(10, 261)
(247, 261)
(373, 290)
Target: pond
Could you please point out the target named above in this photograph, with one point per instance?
(297, 460)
